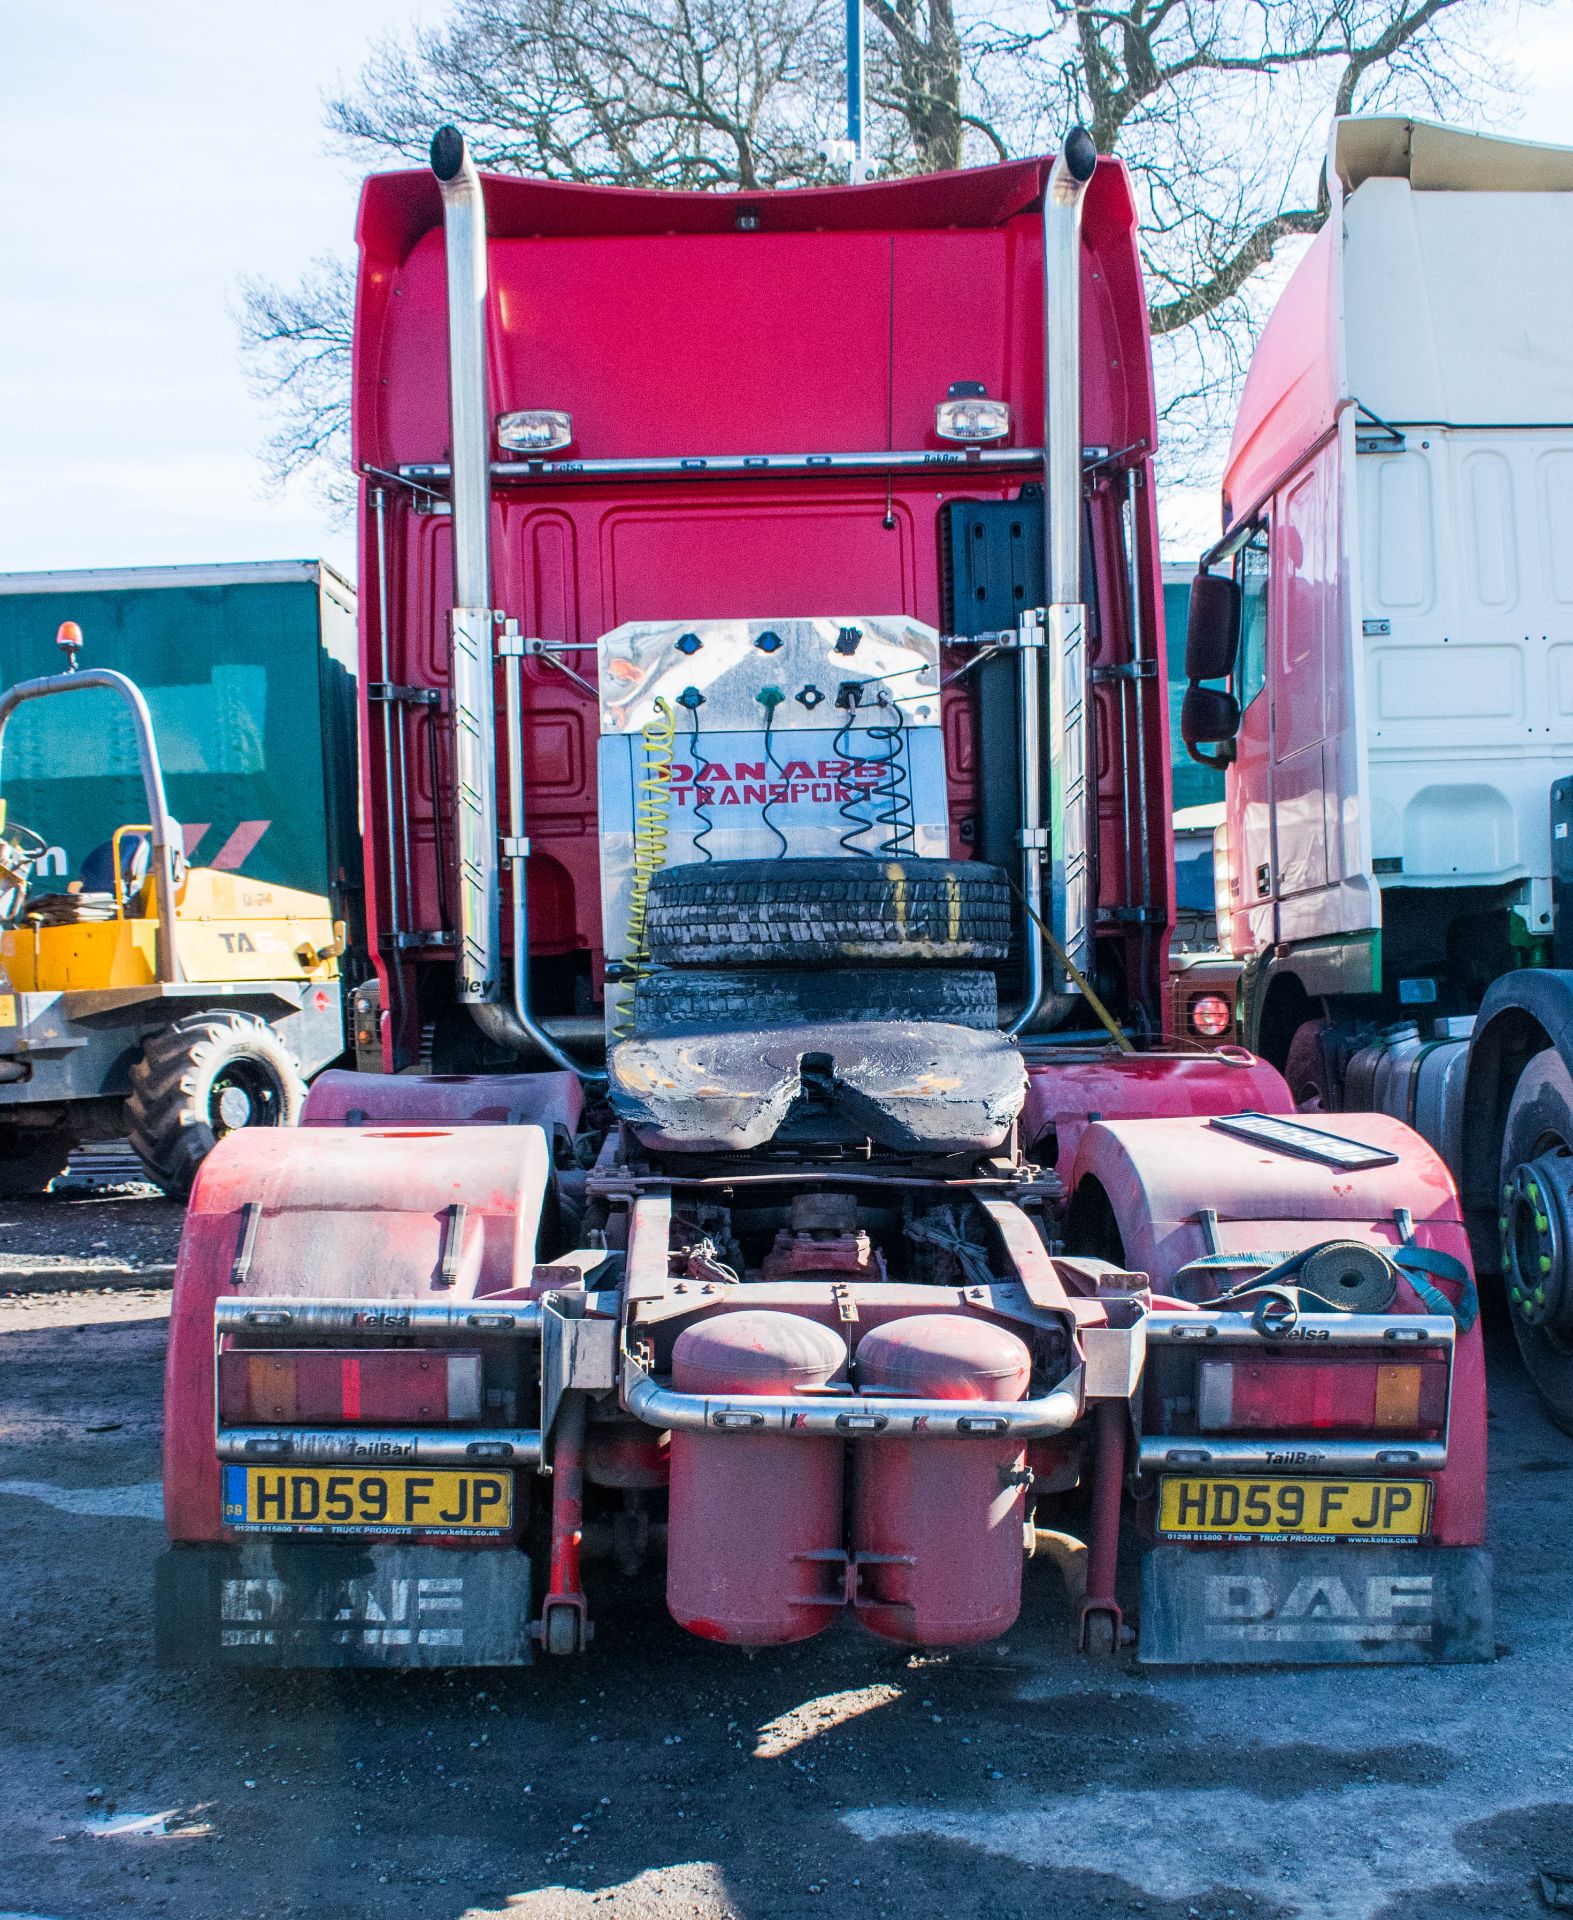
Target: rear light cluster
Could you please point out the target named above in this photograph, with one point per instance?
(331, 1386)
(1272, 1395)
(1211, 1015)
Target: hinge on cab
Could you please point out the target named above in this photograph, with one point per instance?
(388, 690)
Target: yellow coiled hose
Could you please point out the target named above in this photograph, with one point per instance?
(651, 812)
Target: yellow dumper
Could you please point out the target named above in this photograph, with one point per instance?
(147, 998)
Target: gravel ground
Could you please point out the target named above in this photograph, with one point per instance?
(96, 1229)
(661, 1777)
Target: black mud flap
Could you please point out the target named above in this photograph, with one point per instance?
(1281, 1606)
(293, 1603)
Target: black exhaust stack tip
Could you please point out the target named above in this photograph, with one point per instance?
(1081, 156)
(447, 153)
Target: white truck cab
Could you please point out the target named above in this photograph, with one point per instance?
(1394, 618)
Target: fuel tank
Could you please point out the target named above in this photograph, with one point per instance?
(937, 1524)
(754, 1547)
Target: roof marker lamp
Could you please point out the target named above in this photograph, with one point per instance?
(541, 430)
(968, 415)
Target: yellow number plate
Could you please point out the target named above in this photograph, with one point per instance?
(1232, 1509)
(352, 1500)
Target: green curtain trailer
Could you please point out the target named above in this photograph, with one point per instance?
(249, 672)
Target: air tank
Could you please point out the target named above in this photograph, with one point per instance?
(937, 1523)
(754, 1545)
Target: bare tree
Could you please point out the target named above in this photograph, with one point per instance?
(296, 346)
(661, 93)
(919, 66)
(1218, 108)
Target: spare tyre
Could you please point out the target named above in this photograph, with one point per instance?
(750, 998)
(822, 912)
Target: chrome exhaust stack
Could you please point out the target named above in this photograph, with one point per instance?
(1057, 835)
(472, 626)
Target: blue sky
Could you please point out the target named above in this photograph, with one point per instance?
(156, 150)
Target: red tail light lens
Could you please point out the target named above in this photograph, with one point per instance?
(317, 1386)
(1322, 1396)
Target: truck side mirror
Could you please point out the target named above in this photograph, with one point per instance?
(1209, 717)
(1212, 633)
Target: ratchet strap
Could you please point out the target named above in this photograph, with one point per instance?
(1290, 1284)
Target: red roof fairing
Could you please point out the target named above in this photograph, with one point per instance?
(666, 330)
(836, 325)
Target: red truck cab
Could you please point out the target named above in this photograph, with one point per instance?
(766, 800)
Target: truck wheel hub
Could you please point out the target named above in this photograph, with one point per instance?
(1537, 1233)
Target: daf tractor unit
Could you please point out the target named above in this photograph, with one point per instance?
(1391, 608)
(779, 1174)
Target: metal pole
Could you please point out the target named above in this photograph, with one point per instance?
(1033, 835)
(516, 849)
(473, 656)
(1134, 483)
(1103, 1545)
(1071, 910)
(379, 501)
(1059, 840)
(855, 86)
(474, 652)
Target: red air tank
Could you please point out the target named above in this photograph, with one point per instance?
(746, 1508)
(937, 1523)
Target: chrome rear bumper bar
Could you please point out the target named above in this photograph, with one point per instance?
(851, 1416)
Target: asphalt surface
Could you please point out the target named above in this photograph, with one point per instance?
(662, 1777)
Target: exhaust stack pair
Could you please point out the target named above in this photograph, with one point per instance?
(1053, 812)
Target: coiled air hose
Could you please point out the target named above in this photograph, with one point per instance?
(652, 810)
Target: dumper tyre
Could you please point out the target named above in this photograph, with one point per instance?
(30, 1157)
(202, 1078)
(693, 1000)
(826, 912)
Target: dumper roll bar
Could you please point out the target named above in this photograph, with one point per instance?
(159, 816)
